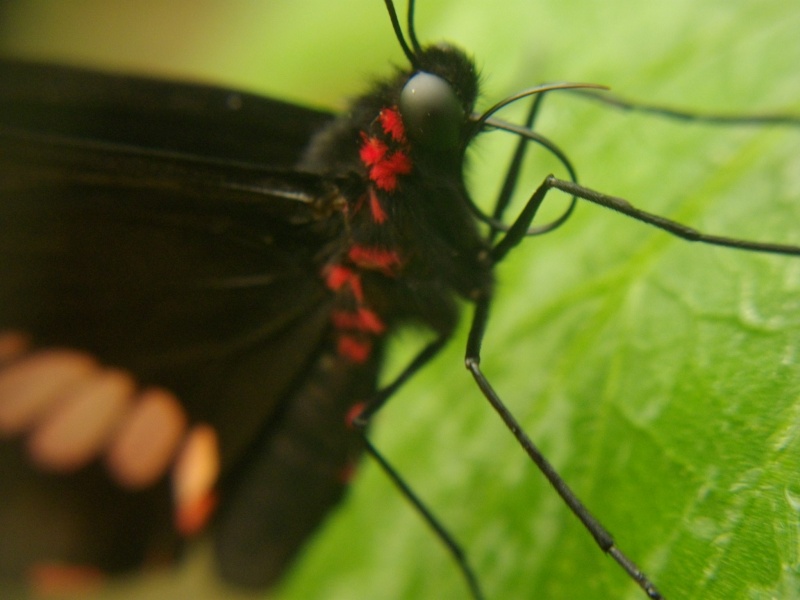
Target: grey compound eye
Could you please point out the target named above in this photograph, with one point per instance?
(432, 114)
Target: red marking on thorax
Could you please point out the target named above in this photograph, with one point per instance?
(361, 320)
(354, 349)
(385, 172)
(376, 259)
(385, 155)
(353, 413)
(337, 277)
(372, 150)
(378, 214)
(392, 124)
(384, 166)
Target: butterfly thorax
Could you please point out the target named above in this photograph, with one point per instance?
(410, 244)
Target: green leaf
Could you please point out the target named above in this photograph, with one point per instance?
(661, 378)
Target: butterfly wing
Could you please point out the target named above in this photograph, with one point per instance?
(199, 120)
(142, 227)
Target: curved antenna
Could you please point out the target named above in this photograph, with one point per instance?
(687, 115)
(412, 33)
(398, 32)
(539, 89)
(527, 135)
(512, 176)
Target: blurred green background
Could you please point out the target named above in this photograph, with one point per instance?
(661, 378)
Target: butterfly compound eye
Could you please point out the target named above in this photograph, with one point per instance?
(432, 114)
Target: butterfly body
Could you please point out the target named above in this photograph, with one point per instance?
(257, 284)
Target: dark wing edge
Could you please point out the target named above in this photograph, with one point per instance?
(199, 120)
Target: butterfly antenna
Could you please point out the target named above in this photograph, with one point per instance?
(412, 31)
(398, 32)
(757, 120)
(526, 134)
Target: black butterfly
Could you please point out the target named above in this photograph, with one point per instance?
(207, 282)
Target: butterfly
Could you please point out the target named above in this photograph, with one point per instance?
(542, 290)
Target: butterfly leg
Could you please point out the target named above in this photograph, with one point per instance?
(517, 232)
(595, 528)
(361, 420)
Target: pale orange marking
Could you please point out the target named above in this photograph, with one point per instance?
(194, 476)
(147, 440)
(31, 386)
(78, 427)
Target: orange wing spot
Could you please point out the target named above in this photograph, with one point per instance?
(191, 518)
(378, 214)
(386, 261)
(194, 476)
(392, 124)
(385, 172)
(354, 349)
(362, 320)
(56, 579)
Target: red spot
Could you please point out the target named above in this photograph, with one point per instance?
(378, 214)
(337, 277)
(384, 168)
(50, 579)
(361, 320)
(372, 150)
(385, 172)
(191, 518)
(362, 199)
(353, 413)
(377, 259)
(354, 349)
(392, 124)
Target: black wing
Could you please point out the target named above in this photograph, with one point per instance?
(139, 224)
(198, 120)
